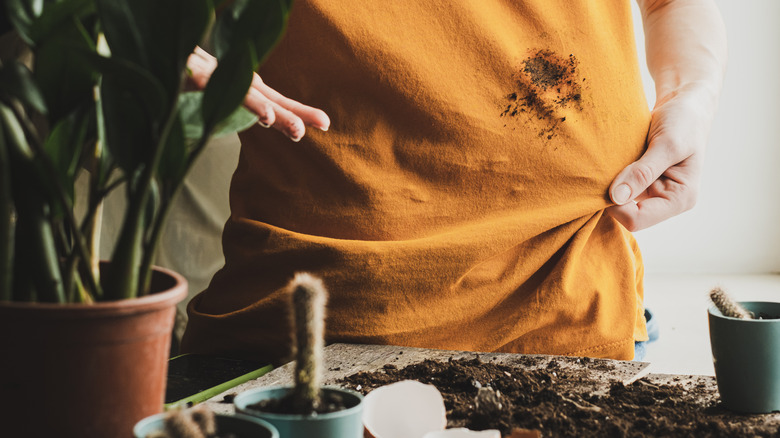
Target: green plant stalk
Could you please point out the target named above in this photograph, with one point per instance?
(59, 192)
(153, 241)
(96, 195)
(128, 255)
(6, 222)
(50, 274)
(92, 222)
(40, 262)
(82, 295)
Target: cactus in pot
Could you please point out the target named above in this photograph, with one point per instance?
(308, 298)
(306, 408)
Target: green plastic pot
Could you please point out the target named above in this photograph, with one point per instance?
(342, 424)
(243, 426)
(746, 354)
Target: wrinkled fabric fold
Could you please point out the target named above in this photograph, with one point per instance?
(458, 199)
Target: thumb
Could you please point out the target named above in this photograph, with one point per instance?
(632, 181)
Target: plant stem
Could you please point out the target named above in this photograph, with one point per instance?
(6, 222)
(153, 242)
(93, 221)
(128, 254)
(36, 264)
(45, 167)
(40, 261)
(168, 195)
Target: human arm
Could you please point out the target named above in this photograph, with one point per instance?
(686, 54)
(272, 109)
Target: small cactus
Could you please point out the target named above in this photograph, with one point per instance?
(205, 419)
(196, 422)
(727, 306)
(307, 298)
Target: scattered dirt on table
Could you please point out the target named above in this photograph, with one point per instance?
(545, 85)
(563, 402)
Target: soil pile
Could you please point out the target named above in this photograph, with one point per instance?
(566, 402)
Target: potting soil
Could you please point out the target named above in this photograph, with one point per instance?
(563, 401)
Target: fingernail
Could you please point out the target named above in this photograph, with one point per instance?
(296, 130)
(621, 194)
(263, 124)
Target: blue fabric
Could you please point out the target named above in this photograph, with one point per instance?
(640, 347)
(653, 330)
(640, 350)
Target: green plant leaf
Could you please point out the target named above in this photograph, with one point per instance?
(64, 147)
(173, 162)
(56, 14)
(124, 23)
(128, 129)
(134, 79)
(261, 21)
(21, 14)
(61, 69)
(240, 120)
(14, 133)
(228, 85)
(191, 116)
(158, 36)
(273, 22)
(17, 81)
(131, 106)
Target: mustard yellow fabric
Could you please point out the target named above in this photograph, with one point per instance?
(458, 199)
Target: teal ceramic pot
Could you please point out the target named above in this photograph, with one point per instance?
(746, 354)
(242, 426)
(342, 424)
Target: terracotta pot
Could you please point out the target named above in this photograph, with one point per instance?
(81, 370)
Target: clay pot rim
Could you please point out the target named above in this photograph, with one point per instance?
(156, 300)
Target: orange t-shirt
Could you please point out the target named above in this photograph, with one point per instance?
(458, 199)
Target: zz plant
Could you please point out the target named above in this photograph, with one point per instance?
(106, 91)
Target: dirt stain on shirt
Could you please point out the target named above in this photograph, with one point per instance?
(545, 85)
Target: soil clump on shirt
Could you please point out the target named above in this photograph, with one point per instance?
(545, 85)
(563, 402)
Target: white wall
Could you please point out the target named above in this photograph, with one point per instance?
(735, 226)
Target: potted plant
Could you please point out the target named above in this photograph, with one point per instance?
(85, 343)
(307, 408)
(745, 341)
(201, 422)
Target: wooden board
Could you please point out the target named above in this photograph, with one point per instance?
(595, 376)
(342, 360)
